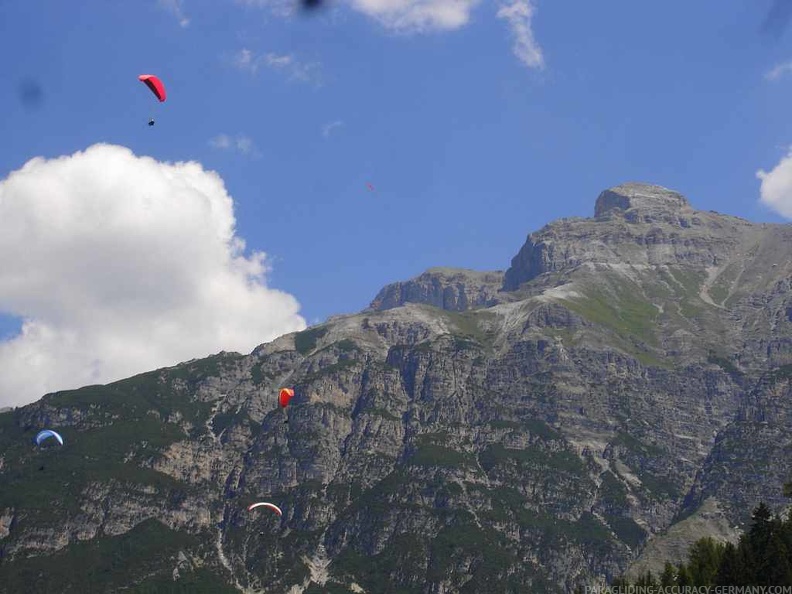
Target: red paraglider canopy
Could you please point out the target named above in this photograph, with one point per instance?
(155, 84)
(286, 394)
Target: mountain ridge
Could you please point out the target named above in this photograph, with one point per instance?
(623, 385)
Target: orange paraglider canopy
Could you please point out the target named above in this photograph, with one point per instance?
(155, 84)
(286, 394)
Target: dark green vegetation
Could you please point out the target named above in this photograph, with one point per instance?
(128, 561)
(198, 581)
(130, 429)
(532, 458)
(48, 483)
(305, 341)
(761, 557)
(621, 308)
(782, 373)
(131, 423)
(460, 543)
(725, 364)
(430, 453)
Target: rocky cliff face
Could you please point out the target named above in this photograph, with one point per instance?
(621, 390)
(446, 288)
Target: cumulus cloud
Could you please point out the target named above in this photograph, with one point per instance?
(776, 188)
(176, 8)
(329, 127)
(779, 71)
(519, 15)
(239, 143)
(308, 72)
(120, 264)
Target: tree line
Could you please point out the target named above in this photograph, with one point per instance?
(761, 557)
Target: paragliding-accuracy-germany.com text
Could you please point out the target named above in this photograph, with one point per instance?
(688, 590)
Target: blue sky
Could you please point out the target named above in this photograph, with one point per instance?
(476, 124)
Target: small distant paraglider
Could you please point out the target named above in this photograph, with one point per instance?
(286, 394)
(156, 86)
(266, 504)
(46, 434)
(370, 187)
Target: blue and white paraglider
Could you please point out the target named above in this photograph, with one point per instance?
(46, 434)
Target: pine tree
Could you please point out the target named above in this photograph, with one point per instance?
(761, 527)
(647, 579)
(755, 542)
(732, 569)
(788, 489)
(775, 567)
(620, 582)
(704, 559)
(668, 577)
(683, 576)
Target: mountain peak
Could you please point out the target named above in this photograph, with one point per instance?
(633, 224)
(643, 200)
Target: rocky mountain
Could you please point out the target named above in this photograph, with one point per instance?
(624, 388)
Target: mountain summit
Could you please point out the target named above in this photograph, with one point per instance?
(643, 226)
(624, 388)
(644, 202)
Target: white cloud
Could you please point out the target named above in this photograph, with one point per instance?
(281, 8)
(418, 15)
(329, 127)
(120, 264)
(240, 143)
(308, 72)
(413, 16)
(176, 8)
(776, 188)
(398, 15)
(519, 14)
(244, 60)
(779, 71)
(222, 141)
(277, 61)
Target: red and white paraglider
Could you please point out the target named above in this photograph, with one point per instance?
(265, 504)
(156, 87)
